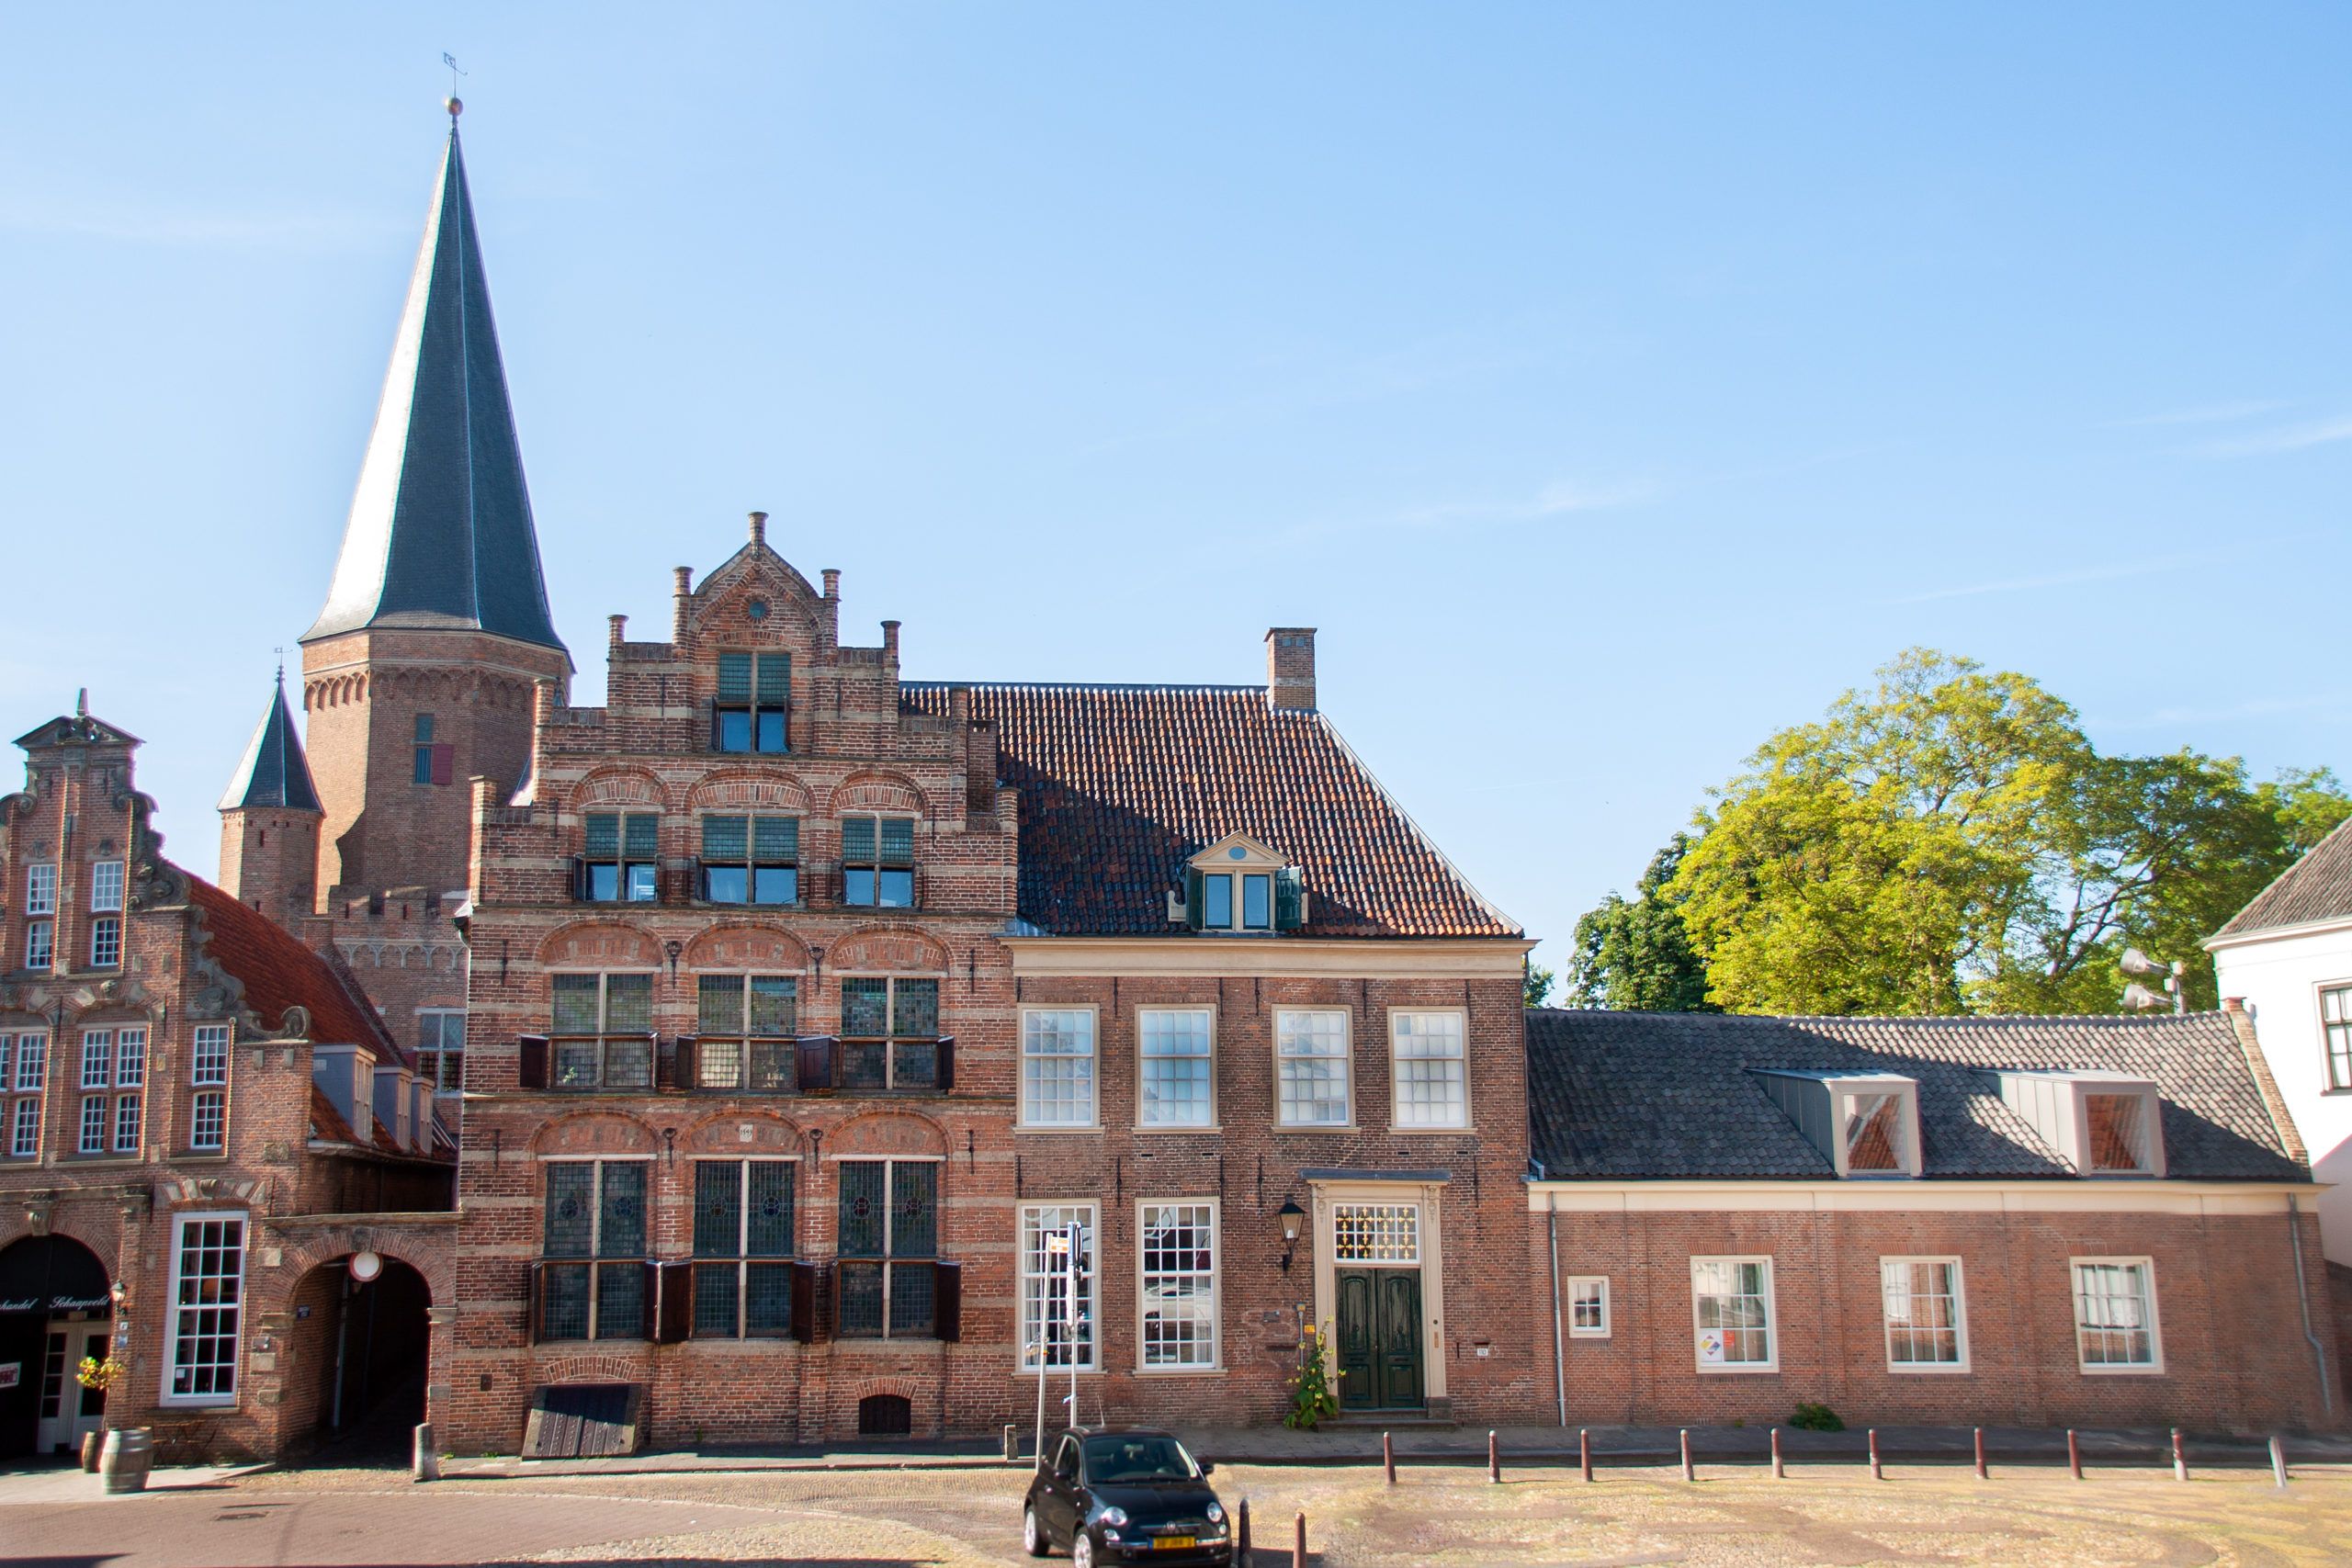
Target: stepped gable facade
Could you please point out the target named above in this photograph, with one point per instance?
(816, 1012)
(2076, 1221)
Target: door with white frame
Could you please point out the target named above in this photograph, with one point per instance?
(68, 1410)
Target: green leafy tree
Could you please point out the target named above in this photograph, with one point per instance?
(1539, 981)
(1950, 842)
(1633, 953)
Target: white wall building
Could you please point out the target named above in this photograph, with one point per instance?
(2289, 954)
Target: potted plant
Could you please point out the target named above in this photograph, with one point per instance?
(99, 1376)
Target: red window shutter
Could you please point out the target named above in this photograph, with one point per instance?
(676, 1315)
(534, 1299)
(947, 1063)
(816, 1053)
(445, 763)
(531, 1067)
(803, 1302)
(947, 1302)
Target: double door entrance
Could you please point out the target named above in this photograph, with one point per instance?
(67, 1409)
(1379, 1339)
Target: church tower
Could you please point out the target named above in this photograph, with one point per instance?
(269, 821)
(421, 670)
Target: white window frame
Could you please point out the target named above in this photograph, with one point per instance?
(24, 1080)
(1346, 1061)
(433, 1059)
(208, 1075)
(208, 1056)
(2152, 1127)
(1206, 1056)
(106, 932)
(106, 888)
(2154, 1365)
(1029, 1220)
(176, 1312)
(41, 888)
(97, 1058)
(1598, 1284)
(1089, 1073)
(1771, 1326)
(2334, 1079)
(97, 1122)
(1843, 1093)
(1216, 1292)
(1397, 1059)
(1959, 1313)
(40, 944)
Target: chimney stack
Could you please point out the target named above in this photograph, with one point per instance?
(832, 583)
(1290, 669)
(759, 527)
(683, 602)
(621, 628)
(890, 642)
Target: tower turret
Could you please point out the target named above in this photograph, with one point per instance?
(269, 820)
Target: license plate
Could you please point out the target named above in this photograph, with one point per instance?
(1175, 1543)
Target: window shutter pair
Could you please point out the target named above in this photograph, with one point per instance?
(1289, 898)
(532, 1062)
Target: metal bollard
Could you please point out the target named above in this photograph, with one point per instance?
(1241, 1554)
(1877, 1473)
(1686, 1455)
(2180, 1457)
(1387, 1458)
(2074, 1455)
(1584, 1452)
(1011, 1443)
(1494, 1459)
(1778, 1472)
(1298, 1542)
(2278, 1460)
(1981, 1474)
(427, 1461)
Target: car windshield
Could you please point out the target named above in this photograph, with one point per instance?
(1137, 1456)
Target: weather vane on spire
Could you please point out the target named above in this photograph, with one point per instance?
(456, 105)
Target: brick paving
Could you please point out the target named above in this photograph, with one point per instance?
(1437, 1517)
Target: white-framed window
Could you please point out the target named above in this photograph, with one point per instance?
(1927, 1315)
(2335, 1034)
(208, 1061)
(1312, 1061)
(41, 937)
(106, 888)
(40, 889)
(1178, 1300)
(1058, 1066)
(106, 942)
(1588, 1306)
(1376, 1232)
(1731, 1307)
(24, 1072)
(207, 1076)
(94, 1124)
(1431, 1068)
(1173, 1079)
(128, 1109)
(130, 1079)
(97, 1057)
(2115, 1314)
(1048, 1336)
(207, 1307)
(592, 1248)
(207, 1119)
(441, 1048)
(24, 1129)
(602, 1032)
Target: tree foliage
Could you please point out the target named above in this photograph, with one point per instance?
(1633, 954)
(1538, 980)
(1950, 842)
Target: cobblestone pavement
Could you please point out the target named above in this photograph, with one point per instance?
(1437, 1517)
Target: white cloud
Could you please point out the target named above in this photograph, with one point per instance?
(2290, 438)
(2115, 572)
(2214, 413)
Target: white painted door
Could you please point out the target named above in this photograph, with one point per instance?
(67, 1409)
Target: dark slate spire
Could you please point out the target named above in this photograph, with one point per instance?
(274, 771)
(440, 532)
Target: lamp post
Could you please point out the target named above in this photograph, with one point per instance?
(1293, 1218)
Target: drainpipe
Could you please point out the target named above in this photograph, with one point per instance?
(1559, 1345)
(342, 1333)
(2304, 1300)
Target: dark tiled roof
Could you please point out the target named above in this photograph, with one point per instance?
(2316, 887)
(1121, 785)
(440, 533)
(273, 772)
(278, 973)
(1659, 1096)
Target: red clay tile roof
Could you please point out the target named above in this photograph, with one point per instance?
(2317, 888)
(1121, 785)
(278, 973)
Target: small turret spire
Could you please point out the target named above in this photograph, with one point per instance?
(273, 772)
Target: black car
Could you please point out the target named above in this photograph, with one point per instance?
(1128, 1496)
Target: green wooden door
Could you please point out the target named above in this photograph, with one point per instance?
(1353, 1355)
(1399, 1353)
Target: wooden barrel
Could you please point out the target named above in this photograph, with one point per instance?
(125, 1459)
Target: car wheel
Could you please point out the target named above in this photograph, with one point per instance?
(1081, 1551)
(1033, 1534)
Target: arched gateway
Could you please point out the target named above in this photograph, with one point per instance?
(56, 1307)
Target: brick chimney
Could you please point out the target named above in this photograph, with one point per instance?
(1290, 669)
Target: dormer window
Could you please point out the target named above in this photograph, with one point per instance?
(1865, 1125)
(2101, 1123)
(1239, 885)
(753, 712)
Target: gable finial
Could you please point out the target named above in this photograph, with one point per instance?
(455, 105)
(81, 703)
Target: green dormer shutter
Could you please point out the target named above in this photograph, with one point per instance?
(1290, 900)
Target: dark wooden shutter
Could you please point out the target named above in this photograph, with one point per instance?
(816, 1064)
(946, 1063)
(1290, 900)
(804, 1303)
(675, 1318)
(683, 1073)
(531, 1064)
(947, 1302)
(1192, 897)
(535, 1315)
(714, 727)
(579, 879)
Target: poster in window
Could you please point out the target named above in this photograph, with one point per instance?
(1711, 1347)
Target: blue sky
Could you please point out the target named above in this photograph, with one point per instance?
(1611, 386)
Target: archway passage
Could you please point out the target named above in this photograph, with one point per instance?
(355, 1386)
(56, 1307)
